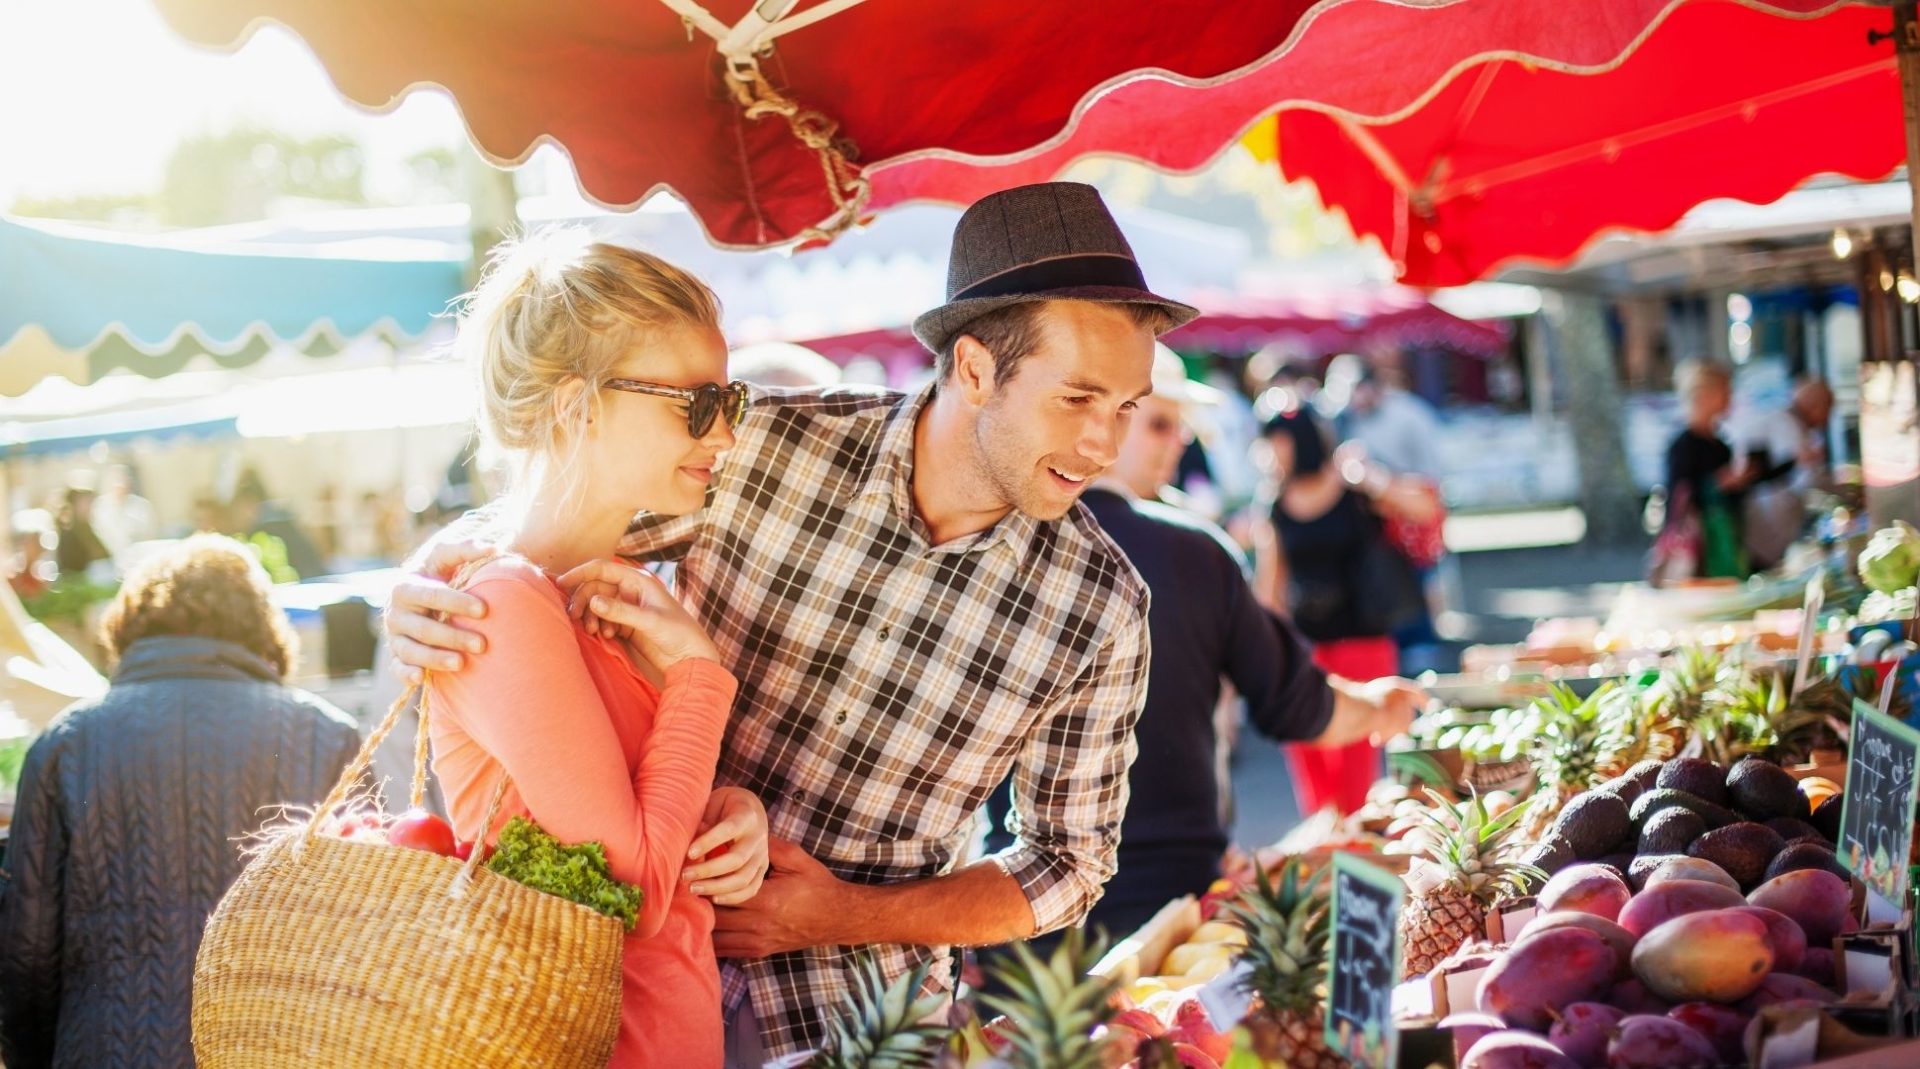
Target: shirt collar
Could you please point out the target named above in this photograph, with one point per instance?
(890, 471)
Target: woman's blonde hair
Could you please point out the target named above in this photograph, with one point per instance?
(208, 586)
(553, 307)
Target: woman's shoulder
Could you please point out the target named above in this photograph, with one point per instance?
(519, 596)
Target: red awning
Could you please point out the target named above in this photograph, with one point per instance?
(641, 96)
(1513, 163)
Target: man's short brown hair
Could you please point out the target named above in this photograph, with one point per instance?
(1012, 333)
(208, 586)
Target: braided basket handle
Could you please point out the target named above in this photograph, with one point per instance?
(416, 693)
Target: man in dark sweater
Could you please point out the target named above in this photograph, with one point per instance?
(1205, 625)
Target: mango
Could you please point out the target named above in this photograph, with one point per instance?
(1594, 889)
(1817, 966)
(1618, 938)
(1663, 902)
(1514, 1049)
(1645, 1042)
(1712, 956)
(1820, 902)
(1724, 1027)
(1690, 868)
(1547, 970)
(1786, 987)
(1783, 934)
(1582, 1030)
(1633, 997)
(1467, 1029)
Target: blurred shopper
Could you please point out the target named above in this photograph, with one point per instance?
(1325, 562)
(1206, 625)
(255, 512)
(1789, 455)
(1699, 532)
(129, 805)
(79, 545)
(122, 517)
(1400, 430)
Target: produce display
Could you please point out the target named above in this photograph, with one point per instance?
(1627, 862)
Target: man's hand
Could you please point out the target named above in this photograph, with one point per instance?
(1376, 710)
(800, 905)
(617, 600)
(418, 638)
(736, 820)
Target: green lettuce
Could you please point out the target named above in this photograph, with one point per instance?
(577, 873)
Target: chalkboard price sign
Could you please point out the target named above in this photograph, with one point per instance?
(1876, 818)
(1366, 962)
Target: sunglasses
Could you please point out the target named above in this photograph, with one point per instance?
(704, 403)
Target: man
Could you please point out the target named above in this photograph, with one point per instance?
(916, 606)
(1205, 624)
(1398, 429)
(1789, 458)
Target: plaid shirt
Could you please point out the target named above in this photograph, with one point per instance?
(887, 686)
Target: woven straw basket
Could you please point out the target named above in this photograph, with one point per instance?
(329, 953)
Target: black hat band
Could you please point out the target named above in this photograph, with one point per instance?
(1058, 273)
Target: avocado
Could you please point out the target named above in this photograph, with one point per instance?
(1671, 831)
(1645, 774)
(1763, 790)
(1804, 856)
(1621, 863)
(1790, 829)
(1622, 788)
(1699, 777)
(1550, 856)
(1826, 819)
(1653, 801)
(1595, 824)
(1744, 850)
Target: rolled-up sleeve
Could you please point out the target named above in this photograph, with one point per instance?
(1070, 783)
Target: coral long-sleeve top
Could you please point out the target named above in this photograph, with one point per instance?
(596, 753)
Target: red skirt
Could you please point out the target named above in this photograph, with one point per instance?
(1340, 776)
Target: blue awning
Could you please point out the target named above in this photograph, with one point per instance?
(79, 303)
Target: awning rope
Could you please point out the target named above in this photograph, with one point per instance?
(741, 45)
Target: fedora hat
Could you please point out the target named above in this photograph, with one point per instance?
(1048, 242)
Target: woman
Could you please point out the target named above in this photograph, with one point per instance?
(1343, 584)
(602, 378)
(1700, 535)
(129, 807)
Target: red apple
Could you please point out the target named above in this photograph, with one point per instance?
(421, 830)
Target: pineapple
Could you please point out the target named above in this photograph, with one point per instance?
(883, 1026)
(1288, 927)
(1470, 861)
(1581, 741)
(1696, 685)
(1053, 1006)
(1761, 719)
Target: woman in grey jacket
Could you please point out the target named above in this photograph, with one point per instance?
(124, 831)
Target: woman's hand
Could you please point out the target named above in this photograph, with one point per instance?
(621, 601)
(736, 820)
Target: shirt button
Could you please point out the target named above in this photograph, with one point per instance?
(885, 633)
(840, 717)
(798, 796)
